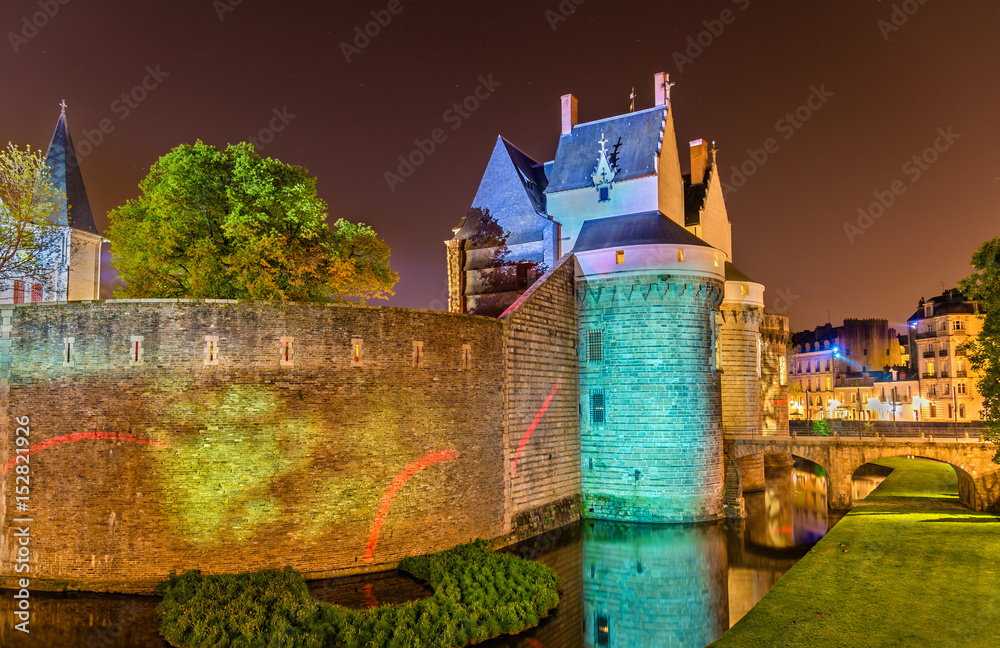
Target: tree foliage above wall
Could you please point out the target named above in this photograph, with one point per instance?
(228, 224)
(29, 205)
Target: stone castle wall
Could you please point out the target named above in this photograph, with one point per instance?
(542, 425)
(657, 457)
(230, 437)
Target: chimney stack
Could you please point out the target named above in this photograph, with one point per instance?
(569, 104)
(661, 88)
(699, 161)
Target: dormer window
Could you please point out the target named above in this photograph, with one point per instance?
(604, 173)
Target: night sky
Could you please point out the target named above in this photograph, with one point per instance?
(222, 71)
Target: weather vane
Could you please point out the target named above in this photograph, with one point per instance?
(632, 98)
(63, 105)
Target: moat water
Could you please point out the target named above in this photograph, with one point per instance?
(624, 585)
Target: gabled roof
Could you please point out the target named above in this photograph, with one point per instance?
(647, 228)
(512, 192)
(640, 134)
(64, 165)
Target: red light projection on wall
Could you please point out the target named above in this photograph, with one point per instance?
(404, 475)
(531, 428)
(83, 436)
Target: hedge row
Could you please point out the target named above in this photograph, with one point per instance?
(478, 594)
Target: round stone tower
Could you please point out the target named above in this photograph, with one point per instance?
(742, 357)
(651, 440)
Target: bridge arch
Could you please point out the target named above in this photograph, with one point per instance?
(978, 476)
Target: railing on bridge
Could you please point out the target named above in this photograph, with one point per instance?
(890, 429)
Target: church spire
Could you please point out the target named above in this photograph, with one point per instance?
(64, 167)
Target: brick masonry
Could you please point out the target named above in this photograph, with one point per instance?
(257, 462)
(540, 352)
(657, 457)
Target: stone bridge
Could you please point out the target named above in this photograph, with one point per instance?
(978, 476)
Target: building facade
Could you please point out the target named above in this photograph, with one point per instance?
(74, 260)
(820, 360)
(948, 385)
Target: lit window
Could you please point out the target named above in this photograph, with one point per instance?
(211, 349)
(619, 257)
(357, 352)
(744, 289)
(827, 383)
(135, 350)
(68, 353)
(716, 260)
(597, 406)
(287, 351)
(680, 256)
(602, 630)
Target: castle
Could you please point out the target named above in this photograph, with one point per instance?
(600, 345)
(674, 345)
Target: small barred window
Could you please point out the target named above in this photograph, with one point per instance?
(597, 406)
(595, 344)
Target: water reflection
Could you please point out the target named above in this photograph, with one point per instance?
(623, 585)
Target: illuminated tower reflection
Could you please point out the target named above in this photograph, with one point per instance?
(654, 585)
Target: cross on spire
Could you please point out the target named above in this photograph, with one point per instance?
(667, 84)
(62, 104)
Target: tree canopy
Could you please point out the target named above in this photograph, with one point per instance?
(29, 204)
(228, 224)
(984, 350)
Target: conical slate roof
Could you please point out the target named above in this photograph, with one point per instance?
(64, 166)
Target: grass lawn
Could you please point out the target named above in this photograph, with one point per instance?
(908, 566)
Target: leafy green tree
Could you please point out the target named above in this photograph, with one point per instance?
(228, 224)
(984, 350)
(29, 204)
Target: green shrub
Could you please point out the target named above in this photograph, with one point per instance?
(478, 594)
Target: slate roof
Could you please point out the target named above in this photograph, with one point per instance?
(950, 303)
(512, 192)
(640, 134)
(735, 274)
(647, 228)
(64, 165)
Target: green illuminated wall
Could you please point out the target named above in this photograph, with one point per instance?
(251, 462)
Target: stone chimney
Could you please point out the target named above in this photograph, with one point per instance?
(569, 118)
(699, 161)
(661, 88)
